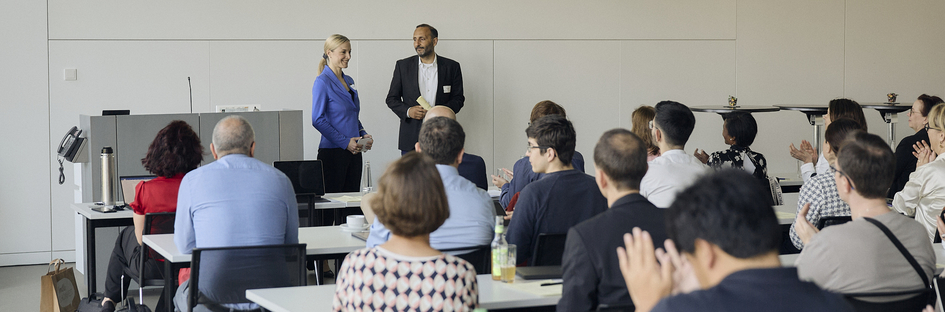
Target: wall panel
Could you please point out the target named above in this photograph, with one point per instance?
(581, 76)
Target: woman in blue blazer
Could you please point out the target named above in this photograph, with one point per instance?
(335, 108)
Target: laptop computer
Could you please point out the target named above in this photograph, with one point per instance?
(306, 175)
(539, 272)
(128, 184)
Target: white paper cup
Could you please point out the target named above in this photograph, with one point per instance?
(356, 221)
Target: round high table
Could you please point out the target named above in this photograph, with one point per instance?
(726, 109)
(890, 113)
(815, 116)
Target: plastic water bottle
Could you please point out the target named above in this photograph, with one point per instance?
(367, 185)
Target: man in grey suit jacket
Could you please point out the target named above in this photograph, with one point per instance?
(437, 79)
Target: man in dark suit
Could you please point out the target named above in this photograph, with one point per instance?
(591, 271)
(437, 79)
(472, 167)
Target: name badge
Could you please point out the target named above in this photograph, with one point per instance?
(446, 89)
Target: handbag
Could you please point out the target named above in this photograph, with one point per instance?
(58, 289)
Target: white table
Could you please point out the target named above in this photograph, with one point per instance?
(492, 295)
(322, 242)
(94, 220)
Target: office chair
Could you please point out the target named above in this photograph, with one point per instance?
(222, 275)
(549, 249)
(154, 223)
(479, 256)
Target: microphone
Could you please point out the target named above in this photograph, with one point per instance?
(189, 86)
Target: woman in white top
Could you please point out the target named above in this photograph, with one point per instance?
(924, 194)
(836, 109)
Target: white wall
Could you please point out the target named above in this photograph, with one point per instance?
(599, 59)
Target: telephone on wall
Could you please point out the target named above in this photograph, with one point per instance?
(69, 146)
(69, 149)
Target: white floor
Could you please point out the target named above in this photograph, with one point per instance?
(20, 287)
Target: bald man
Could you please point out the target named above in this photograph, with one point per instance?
(472, 167)
(233, 201)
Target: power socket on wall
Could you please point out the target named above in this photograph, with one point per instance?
(238, 108)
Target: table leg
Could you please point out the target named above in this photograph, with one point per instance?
(170, 287)
(90, 257)
(818, 122)
(311, 212)
(890, 119)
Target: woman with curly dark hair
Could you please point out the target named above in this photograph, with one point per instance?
(175, 151)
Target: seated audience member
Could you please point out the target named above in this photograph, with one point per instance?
(905, 160)
(836, 109)
(674, 169)
(738, 131)
(233, 201)
(819, 195)
(522, 169)
(924, 195)
(640, 125)
(472, 214)
(731, 241)
(559, 200)
(857, 257)
(175, 151)
(411, 203)
(591, 273)
(472, 167)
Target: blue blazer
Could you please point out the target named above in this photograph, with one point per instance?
(335, 111)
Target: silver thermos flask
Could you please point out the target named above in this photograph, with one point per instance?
(108, 176)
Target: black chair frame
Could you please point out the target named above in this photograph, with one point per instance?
(194, 296)
(479, 256)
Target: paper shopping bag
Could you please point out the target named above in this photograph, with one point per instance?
(59, 292)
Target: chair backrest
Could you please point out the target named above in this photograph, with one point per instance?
(775, 187)
(154, 223)
(479, 256)
(222, 275)
(914, 303)
(832, 220)
(549, 249)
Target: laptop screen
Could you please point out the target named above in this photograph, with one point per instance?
(128, 183)
(306, 176)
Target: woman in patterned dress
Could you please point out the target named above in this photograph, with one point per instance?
(738, 131)
(405, 273)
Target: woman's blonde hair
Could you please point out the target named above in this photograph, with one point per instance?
(937, 117)
(332, 43)
(640, 125)
(411, 200)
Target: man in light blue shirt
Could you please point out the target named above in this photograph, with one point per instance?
(472, 214)
(233, 201)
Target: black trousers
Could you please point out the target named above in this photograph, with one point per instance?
(125, 260)
(342, 174)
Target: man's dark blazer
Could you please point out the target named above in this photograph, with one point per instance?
(404, 91)
(473, 168)
(591, 271)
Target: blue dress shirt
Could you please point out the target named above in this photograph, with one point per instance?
(335, 110)
(522, 175)
(235, 201)
(471, 221)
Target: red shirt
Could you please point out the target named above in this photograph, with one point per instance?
(157, 195)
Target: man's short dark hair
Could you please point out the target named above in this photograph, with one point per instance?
(728, 209)
(442, 139)
(869, 163)
(929, 101)
(556, 132)
(837, 132)
(742, 127)
(433, 31)
(622, 156)
(675, 120)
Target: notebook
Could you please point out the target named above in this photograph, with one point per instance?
(539, 272)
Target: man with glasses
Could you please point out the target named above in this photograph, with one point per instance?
(905, 161)
(861, 256)
(562, 198)
(673, 170)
